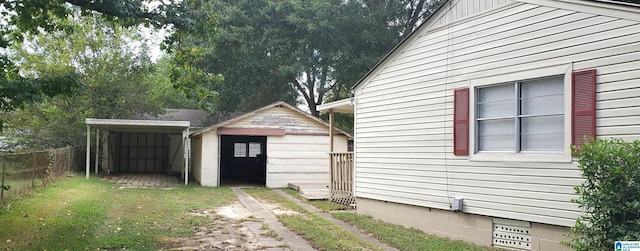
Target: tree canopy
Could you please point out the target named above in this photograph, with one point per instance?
(21, 18)
(294, 50)
(226, 55)
(118, 81)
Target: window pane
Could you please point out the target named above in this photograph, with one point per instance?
(496, 101)
(254, 149)
(239, 150)
(496, 135)
(542, 96)
(544, 133)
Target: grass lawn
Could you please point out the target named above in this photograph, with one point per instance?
(80, 214)
(404, 238)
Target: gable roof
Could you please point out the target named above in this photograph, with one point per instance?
(614, 4)
(276, 104)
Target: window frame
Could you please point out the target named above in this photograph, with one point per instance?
(516, 116)
(481, 82)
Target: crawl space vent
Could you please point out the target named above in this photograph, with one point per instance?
(511, 234)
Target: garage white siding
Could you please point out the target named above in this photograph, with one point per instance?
(300, 158)
(404, 149)
(210, 158)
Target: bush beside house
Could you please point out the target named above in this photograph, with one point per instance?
(609, 196)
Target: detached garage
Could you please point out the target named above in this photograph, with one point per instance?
(272, 146)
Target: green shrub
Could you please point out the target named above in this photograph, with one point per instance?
(609, 196)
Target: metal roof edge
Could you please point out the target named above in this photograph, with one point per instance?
(131, 122)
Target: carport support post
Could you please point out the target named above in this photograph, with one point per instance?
(88, 161)
(97, 149)
(185, 136)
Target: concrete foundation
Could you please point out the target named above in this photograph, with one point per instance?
(472, 228)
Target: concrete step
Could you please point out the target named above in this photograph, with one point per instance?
(311, 191)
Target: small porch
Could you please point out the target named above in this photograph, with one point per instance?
(342, 169)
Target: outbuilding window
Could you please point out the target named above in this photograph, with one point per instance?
(247, 149)
(239, 150)
(255, 149)
(523, 116)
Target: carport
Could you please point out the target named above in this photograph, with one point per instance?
(151, 146)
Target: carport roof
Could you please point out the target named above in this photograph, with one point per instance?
(126, 125)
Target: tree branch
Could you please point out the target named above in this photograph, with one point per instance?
(301, 89)
(114, 8)
(413, 18)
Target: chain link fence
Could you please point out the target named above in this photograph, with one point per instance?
(21, 172)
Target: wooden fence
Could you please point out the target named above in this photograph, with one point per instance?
(341, 186)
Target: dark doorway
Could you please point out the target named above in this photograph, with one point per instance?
(138, 152)
(243, 160)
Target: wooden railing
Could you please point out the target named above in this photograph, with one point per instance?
(341, 186)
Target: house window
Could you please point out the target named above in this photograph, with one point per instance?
(239, 150)
(525, 116)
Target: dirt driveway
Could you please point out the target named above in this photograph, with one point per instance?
(249, 224)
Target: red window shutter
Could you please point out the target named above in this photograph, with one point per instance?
(461, 121)
(583, 106)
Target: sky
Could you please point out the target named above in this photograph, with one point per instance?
(154, 38)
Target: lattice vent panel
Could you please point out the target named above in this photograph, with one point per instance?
(343, 197)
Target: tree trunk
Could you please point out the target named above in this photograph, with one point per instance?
(313, 108)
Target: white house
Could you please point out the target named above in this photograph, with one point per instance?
(272, 146)
(464, 129)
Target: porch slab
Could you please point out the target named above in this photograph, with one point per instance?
(143, 180)
(311, 191)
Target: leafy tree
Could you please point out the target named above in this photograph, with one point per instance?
(231, 64)
(269, 50)
(116, 81)
(20, 18)
(163, 92)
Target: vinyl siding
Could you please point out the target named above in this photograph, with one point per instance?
(464, 8)
(404, 108)
(300, 158)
